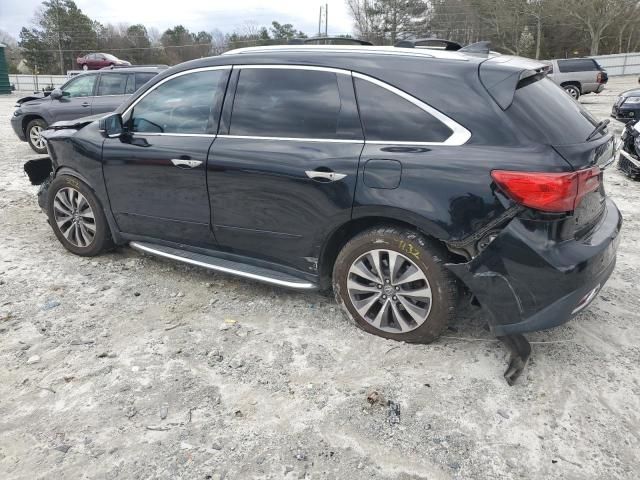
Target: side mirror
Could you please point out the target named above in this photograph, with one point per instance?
(111, 125)
(56, 94)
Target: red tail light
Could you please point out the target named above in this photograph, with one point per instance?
(549, 192)
(599, 77)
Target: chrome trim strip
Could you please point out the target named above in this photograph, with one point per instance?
(291, 139)
(460, 135)
(295, 67)
(630, 158)
(171, 77)
(155, 134)
(302, 285)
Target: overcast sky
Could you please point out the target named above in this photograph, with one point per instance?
(196, 15)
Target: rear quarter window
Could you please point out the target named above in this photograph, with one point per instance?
(387, 117)
(578, 65)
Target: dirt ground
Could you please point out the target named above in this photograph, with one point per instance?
(125, 366)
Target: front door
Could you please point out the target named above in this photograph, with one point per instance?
(77, 98)
(155, 174)
(284, 172)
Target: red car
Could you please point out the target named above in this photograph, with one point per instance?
(95, 61)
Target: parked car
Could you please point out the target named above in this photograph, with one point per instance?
(86, 94)
(629, 150)
(578, 76)
(627, 106)
(391, 175)
(95, 61)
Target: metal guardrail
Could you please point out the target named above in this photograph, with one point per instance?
(620, 63)
(32, 83)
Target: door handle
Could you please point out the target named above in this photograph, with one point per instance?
(329, 176)
(86, 104)
(181, 163)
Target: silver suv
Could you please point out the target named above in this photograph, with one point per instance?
(578, 76)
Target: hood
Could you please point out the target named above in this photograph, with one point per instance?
(76, 124)
(634, 92)
(35, 98)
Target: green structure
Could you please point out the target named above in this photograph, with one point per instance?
(5, 87)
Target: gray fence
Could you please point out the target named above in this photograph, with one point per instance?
(31, 83)
(620, 63)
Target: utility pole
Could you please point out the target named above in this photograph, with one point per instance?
(320, 21)
(326, 19)
(59, 37)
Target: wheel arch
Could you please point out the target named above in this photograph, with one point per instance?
(113, 226)
(575, 83)
(335, 240)
(29, 118)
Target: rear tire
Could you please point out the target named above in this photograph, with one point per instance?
(33, 133)
(77, 218)
(573, 91)
(392, 283)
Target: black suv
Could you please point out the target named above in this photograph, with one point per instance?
(395, 176)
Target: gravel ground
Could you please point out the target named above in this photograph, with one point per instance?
(125, 366)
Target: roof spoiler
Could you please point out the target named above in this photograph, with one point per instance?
(420, 42)
(501, 75)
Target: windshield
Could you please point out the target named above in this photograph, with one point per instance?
(546, 113)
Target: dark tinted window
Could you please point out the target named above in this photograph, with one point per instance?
(389, 117)
(112, 84)
(578, 65)
(81, 86)
(142, 78)
(131, 84)
(547, 114)
(286, 103)
(186, 104)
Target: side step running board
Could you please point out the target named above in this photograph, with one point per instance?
(259, 274)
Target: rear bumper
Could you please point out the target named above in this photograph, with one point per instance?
(16, 124)
(527, 283)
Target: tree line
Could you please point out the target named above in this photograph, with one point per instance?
(532, 28)
(61, 32)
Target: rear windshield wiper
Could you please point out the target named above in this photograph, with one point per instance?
(599, 128)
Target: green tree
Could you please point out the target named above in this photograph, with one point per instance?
(285, 32)
(59, 34)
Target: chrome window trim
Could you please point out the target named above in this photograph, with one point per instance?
(294, 67)
(293, 139)
(157, 134)
(459, 135)
(171, 77)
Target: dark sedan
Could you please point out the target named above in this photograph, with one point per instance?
(95, 61)
(627, 106)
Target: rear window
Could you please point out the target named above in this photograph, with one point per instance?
(548, 115)
(112, 84)
(578, 65)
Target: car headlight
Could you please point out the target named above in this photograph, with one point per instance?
(632, 101)
(17, 112)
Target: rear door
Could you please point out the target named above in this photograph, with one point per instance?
(283, 170)
(111, 91)
(77, 98)
(155, 175)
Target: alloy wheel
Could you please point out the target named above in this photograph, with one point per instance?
(35, 134)
(389, 291)
(74, 217)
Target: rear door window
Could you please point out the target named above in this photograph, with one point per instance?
(112, 84)
(142, 78)
(387, 117)
(287, 103)
(548, 115)
(577, 65)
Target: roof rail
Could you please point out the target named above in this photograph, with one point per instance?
(114, 67)
(310, 41)
(359, 49)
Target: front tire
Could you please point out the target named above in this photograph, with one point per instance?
(77, 218)
(33, 133)
(573, 91)
(392, 283)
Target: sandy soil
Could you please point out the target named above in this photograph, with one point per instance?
(125, 366)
